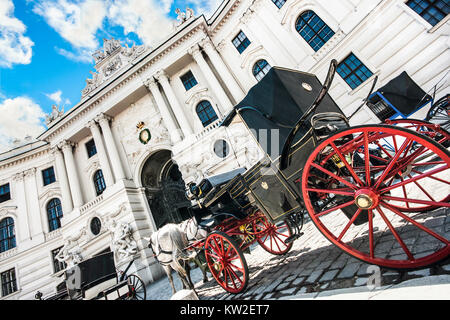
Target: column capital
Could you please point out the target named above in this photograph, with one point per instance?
(65, 145)
(19, 176)
(162, 76)
(30, 172)
(151, 84)
(195, 52)
(102, 118)
(207, 44)
(55, 150)
(91, 124)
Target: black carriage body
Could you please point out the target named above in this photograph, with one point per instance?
(90, 273)
(270, 111)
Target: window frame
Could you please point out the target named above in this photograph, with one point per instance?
(10, 280)
(279, 3)
(99, 182)
(5, 196)
(243, 44)
(317, 34)
(261, 69)
(89, 145)
(56, 206)
(189, 82)
(426, 11)
(10, 238)
(354, 71)
(49, 179)
(203, 111)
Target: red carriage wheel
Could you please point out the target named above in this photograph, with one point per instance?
(136, 288)
(431, 130)
(271, 237)
(376, 175)
(226, 262)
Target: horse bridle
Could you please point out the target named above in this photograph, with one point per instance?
(160, 251)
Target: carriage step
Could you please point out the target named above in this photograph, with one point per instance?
(293, 238)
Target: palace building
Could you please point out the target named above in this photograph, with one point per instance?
(113, 169)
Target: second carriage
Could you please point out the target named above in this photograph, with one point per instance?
(371, 190)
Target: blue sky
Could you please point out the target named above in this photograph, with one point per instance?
(46, 46)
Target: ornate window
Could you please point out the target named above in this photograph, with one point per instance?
(5, 193)
(48, 175)
(221, 148)
(313, 29)
(99, 182)
(9, 283)
(57, 265)
(279, 3)
(91, 148)
(241, 42)
(353, 71)
(206, 113)
(260, 69)
(431, 10)
(188, 80)
(7, 234)
(54, 214)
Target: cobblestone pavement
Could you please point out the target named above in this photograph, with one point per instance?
(315, 265)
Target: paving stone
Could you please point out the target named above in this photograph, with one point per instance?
(313, 276)
(288, 291)
(329, 275)
(361, 282)
(349, 271)
(282, 286)
(424, 272)
(298, 281)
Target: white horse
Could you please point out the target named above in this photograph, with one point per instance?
(168, 244)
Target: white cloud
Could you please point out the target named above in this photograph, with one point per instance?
(77, 22)
(206, 7)
(80, 55)
(20, 117)
(146, 18)
(15, 48)
(55, 96)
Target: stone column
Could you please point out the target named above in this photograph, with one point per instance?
(235, 90)
(32, 200)
(101, 151)
(21, 225)
(163, 108)
(67, 203)
(111, 146)
(211, 78)
(173, 101)
(74, 181)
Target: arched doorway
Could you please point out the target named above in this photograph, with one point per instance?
(165, 189)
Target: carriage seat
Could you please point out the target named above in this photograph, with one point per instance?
(215, 182)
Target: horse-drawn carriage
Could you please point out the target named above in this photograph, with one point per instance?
(362, 187)
(97, 279)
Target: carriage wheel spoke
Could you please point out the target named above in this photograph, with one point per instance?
(396, 235)
(347, 165)
(334, 176)
(431, 203)
(367, 158)
(392, 163)
(349, 224)
(371, 251)
(235, 275)
(343, 192)
(420, 176)
(335, 208)
(418, 225)
(423, 190)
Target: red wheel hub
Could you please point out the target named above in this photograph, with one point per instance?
(366, 199)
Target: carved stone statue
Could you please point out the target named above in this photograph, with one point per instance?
(124, 244)
(55, 114)
(184, 16)
(70, 253)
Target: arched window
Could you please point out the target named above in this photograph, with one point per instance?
(260, 69)
(313, 29)
(7, 234)
(206, 113)
(54, 214)
(99, 182)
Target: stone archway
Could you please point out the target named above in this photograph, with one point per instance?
(164, 189)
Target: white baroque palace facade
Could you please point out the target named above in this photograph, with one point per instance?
(110, 171)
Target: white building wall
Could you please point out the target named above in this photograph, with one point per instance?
(386, 35)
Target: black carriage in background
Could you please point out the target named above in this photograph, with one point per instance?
(97, 279)
(357, 192)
